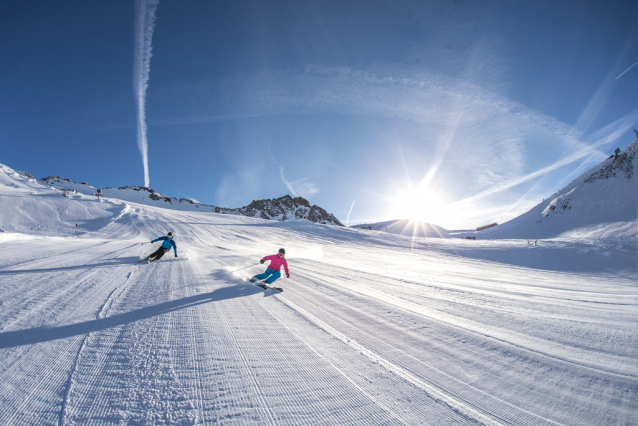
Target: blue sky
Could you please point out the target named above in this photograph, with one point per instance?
(454, 112)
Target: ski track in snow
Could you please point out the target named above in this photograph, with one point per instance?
(371, 328)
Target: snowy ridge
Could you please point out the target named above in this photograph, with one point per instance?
(29, 207)
(408, 228)
(601, 203)
(281, 209)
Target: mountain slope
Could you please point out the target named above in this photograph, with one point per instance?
(406, 228)
(28, 207)
(601, 203)
(284, 208)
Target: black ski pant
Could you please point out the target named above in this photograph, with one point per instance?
(157, 254)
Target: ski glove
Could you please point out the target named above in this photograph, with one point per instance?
(287, 275)
(175, 255)
(261, 261)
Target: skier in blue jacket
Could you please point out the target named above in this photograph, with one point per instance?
(167, 243)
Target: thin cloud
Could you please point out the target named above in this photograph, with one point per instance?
(621, 127)
(598, 100)
(144, 26)
(288, 185)
(494, 133)
(492, 139)
(459, 114)
(196, 120)
(304, 188)
(237, 189)
(300, 188)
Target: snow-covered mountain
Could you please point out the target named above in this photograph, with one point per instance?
(600, 203)
(408, 228)
(286, 208)
(28, 207)
(281, 209)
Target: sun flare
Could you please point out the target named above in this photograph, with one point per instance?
(423, 205)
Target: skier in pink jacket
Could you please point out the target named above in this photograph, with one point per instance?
(272, 273)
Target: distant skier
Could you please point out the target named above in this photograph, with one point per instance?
(164, 248)
(272, 274)
(99, 193)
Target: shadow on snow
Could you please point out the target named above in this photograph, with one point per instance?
(45, 334)
(122, 261)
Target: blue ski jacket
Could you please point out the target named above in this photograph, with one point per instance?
(167, 243)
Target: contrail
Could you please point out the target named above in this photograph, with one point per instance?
(626, 70)
(348, 218)
(621, 126)
(144, 25)
(288, 184)
(281, 172)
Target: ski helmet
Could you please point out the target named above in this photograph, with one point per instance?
(170, 234)
(282, 251)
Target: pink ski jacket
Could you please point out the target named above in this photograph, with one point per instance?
(276, 262)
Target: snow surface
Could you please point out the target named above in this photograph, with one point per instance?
(372, 328)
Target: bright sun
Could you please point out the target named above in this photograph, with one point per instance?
(424, 205)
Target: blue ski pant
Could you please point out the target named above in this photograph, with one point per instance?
(271, 274)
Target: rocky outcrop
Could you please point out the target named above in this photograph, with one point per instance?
(285, 208)
(55, 179)
(559, 205)
(620, 165)
(319, 215)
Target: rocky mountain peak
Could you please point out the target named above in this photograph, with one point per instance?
(287, 208)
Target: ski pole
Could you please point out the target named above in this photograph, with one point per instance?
(243, 268)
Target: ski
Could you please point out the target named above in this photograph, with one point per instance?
(266, 286)
(171, 260)
(269, 287)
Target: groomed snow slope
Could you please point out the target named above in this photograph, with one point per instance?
(372, 328)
